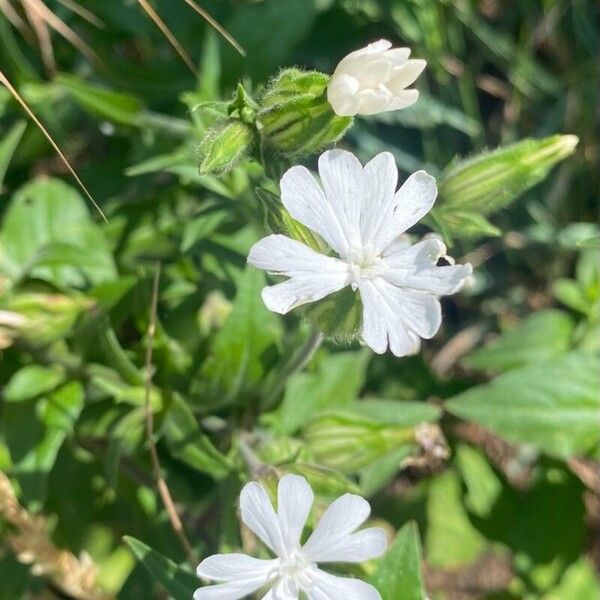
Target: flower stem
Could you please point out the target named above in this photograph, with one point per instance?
(296, 363)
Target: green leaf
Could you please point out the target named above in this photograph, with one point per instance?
(35, 430)
(102, 102)
(236, 358)
(447, 522)
(553, 404)
(268, 31)
(579, 582)
(109, 382)
(32, 381)
(398, 573)
(180, 583)
(593, 242)
(452, 223)
(337, 382)
(539, 337)
(430, 112)
(392, 412)
(187, 442)
(48, 221)
(8, 145)
(483, 485)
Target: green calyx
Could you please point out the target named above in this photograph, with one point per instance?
(295, 119)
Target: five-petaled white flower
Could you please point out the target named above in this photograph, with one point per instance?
(373, 80)
(295, 568)
(362, 217)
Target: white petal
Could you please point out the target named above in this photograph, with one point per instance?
(397, 56)
(330, 587)
(343, 181)
(341, 518)
(374, 73)
(403, 76)
(229, 567)
(283, 297)
(312, 275)
(356, 60)
(294, 501)
(411, 203)
(284, 589)
(342, 95)
(258, 514)
(232, 590)
(353, 548)
(305, 201)
(404, 100)
(397, 317)
(381, 179)
(415, 267)
(284, 256)
(373, 101)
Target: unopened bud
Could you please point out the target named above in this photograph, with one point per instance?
(348, 443)
(224, 146)
(295, 118)
(470, 189)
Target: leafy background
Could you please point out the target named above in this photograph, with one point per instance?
(500, 487)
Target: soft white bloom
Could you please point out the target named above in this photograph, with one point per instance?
(373, 80)
(295, 569)
(360, 215)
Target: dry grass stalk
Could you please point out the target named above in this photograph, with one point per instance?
(75, 577)
(185, 57)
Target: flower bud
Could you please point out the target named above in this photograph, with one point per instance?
(470, 189)
(374, 79)
(224, 146)
(47, 317)
(295, 118)
(348, 443)
(279, 220)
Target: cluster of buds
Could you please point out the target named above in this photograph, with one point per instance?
(302, 112)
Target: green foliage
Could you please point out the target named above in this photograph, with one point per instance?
(553, 404)
(398, 574)
(48, 234)
(539, 337)
(486, 444)
(179, 583)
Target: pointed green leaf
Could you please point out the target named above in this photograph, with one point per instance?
(180, 584)
(553, 404)
(539, 337)
(398, 574)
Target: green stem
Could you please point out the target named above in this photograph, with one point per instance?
(297, 362)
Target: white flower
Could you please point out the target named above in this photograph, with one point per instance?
(362, 217)
(295, 568)
(373, 80)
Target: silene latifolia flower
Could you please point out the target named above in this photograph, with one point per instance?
(295, 569)
(373, 80)
(360, 215)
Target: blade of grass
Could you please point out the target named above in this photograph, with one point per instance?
(62, 28)
(169, 35)
(54, 145)
(11, 14)
(84, 13)
(42, 33)
(217, 26)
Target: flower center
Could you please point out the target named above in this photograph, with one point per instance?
(294, 573)
(364, 263)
